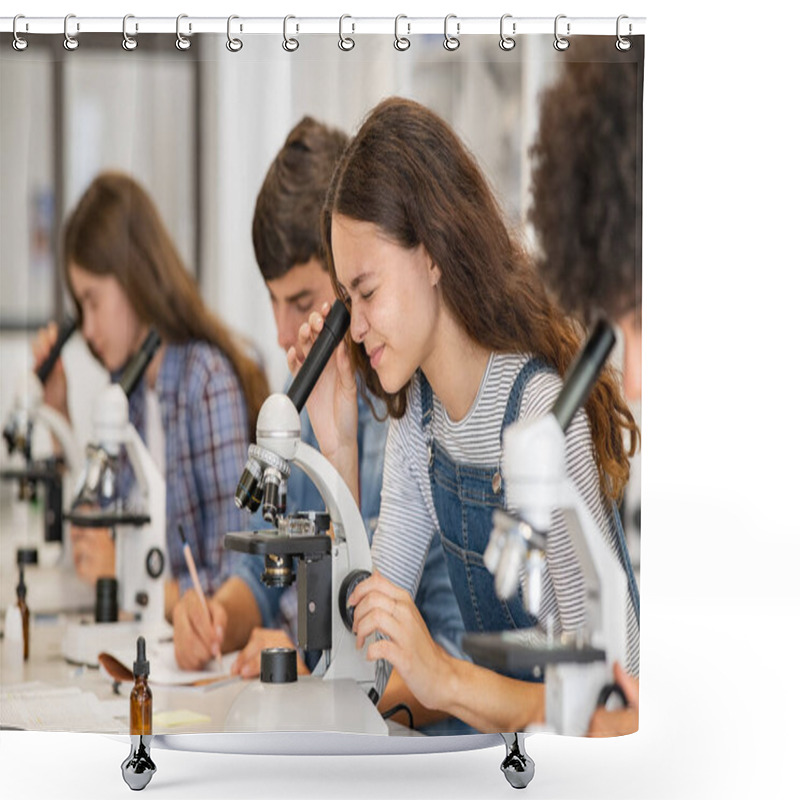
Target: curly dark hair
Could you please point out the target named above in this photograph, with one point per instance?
(586, 184)
(286, 228)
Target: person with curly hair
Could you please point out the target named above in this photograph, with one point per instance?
(586, 184)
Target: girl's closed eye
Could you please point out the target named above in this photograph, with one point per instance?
(367, 295)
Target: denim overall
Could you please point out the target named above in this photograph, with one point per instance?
(465, 496)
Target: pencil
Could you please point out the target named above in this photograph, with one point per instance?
(187, 554)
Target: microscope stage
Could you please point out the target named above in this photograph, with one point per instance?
(525, 649)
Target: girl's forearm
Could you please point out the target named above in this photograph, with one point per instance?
(490, 702)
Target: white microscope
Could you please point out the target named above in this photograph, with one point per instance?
(344, 688)
(43, 457)
(139, 532)
(577, 665)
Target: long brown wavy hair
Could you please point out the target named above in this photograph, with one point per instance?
(115, 229)
(407, 172)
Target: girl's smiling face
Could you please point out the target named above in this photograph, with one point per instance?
(394, 305)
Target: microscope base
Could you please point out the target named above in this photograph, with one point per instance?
(309, 704)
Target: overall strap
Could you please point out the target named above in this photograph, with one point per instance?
(427, 404)
(633, 588)
(530, 368)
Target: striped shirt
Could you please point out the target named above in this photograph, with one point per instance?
(408, 516)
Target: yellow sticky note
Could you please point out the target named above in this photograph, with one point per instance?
(171, 719)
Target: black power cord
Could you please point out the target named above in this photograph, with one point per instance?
(400, 707)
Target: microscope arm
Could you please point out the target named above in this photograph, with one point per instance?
(148, 477)
(60, 428)
(536, 487)
(344, 512)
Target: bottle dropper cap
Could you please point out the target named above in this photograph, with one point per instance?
(141, 666)
(25, 555)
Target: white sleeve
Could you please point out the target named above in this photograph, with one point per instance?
(407, 521)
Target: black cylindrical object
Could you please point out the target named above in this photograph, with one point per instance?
(65, 330)
(345, 590)
(583, 372)
(105, 606)
(278, 665)
(249, 492)
(27, 555)
(333, 331)
(138, 364)
(141, 666)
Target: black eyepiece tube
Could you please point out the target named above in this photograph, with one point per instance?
(135, 369)
(583, 372)
(333, 331)
(65, 330)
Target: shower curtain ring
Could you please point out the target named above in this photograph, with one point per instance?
(181, 42)
(234, 45)
(346, 43)
(560, 42)
(401, 42)
(18, 43)
(451, 43)
(507, 42)
(70, 42)
(290, 44)
(129, 42)
(622, 43)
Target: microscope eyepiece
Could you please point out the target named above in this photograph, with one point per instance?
(65, 330)
(333, 331)
(583, 373)
(135, 370)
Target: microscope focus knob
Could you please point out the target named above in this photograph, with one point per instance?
(345, 590)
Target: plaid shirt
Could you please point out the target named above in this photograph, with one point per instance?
(206, 433)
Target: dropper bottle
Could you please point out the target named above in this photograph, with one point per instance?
(138, 768)
(141, 694)
(24, 611)
(25, 555)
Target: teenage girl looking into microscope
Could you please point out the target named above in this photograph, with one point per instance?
(197, 404)
(452, 328)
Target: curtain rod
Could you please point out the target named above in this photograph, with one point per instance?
(403, 25)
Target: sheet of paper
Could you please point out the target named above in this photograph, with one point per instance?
(182, 716)
(164, 669)
(40, 706)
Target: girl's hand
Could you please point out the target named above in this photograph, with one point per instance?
(92, 553)
(55, 388)
(623, 720)
(333, 404)
(420, 662)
